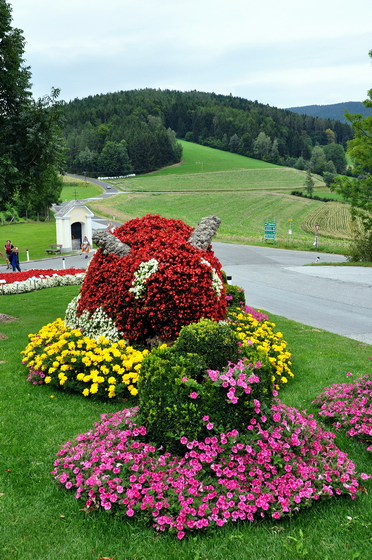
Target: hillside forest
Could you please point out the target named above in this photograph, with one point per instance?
(116, 134)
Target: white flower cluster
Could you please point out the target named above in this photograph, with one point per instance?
(216, 281)
(38, 283)
(92, 325)
(145, 270)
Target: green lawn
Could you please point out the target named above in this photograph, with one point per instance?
(33, 237)
(40, 521)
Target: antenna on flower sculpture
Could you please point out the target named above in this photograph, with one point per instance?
(202, 235)
(108, 243)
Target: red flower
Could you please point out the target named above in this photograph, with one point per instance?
(179, 292)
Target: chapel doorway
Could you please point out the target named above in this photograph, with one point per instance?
(76, 237)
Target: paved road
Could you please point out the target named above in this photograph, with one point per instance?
(335, 299)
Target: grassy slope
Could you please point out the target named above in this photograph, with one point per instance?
(39, 520)
(243, 192)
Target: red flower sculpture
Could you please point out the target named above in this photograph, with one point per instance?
(153, 275)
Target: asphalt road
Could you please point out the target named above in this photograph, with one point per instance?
(335, 299)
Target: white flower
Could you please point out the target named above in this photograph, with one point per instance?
(34, 283)
(145, 270)
(217, 285)
(92, 325)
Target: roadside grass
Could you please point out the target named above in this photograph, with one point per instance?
(364, 264)
(39, 520)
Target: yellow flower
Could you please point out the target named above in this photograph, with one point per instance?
(48, 379)
(94, 388)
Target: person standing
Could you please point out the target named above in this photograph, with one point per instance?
(14, 260)
(8, 252)
(85, 246)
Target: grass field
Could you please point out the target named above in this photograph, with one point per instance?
(201, 159)
(243, 192)
(34, 237)
(40, 521)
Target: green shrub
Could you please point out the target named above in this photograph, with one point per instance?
(166, 408)
(180, 398)
(216, 342)
(235, 296)
(224, 277)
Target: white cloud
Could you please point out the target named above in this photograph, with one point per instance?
(283, 53)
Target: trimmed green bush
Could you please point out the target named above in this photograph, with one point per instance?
(179, 398)
(216, 342)
(166, 408)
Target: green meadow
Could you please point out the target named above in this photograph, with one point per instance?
(245, 193)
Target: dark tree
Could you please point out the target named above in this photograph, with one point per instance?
(31, 148)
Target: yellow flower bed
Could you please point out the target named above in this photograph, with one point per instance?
(261, 335)
(66, 358)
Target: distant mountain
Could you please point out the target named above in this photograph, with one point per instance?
(335, 111)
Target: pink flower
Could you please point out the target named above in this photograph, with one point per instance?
(349, 373)
(210, 426)
(193, 395)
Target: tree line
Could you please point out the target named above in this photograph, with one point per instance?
(140, 118)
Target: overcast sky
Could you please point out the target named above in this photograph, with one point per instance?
(284, 53)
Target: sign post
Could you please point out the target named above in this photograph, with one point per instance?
(317, 226)
(290, 228)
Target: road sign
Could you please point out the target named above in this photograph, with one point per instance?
(270, 230)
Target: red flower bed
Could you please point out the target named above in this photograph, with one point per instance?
(180, 289)
(12, 277)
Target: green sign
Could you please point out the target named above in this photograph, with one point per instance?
(270, 230)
